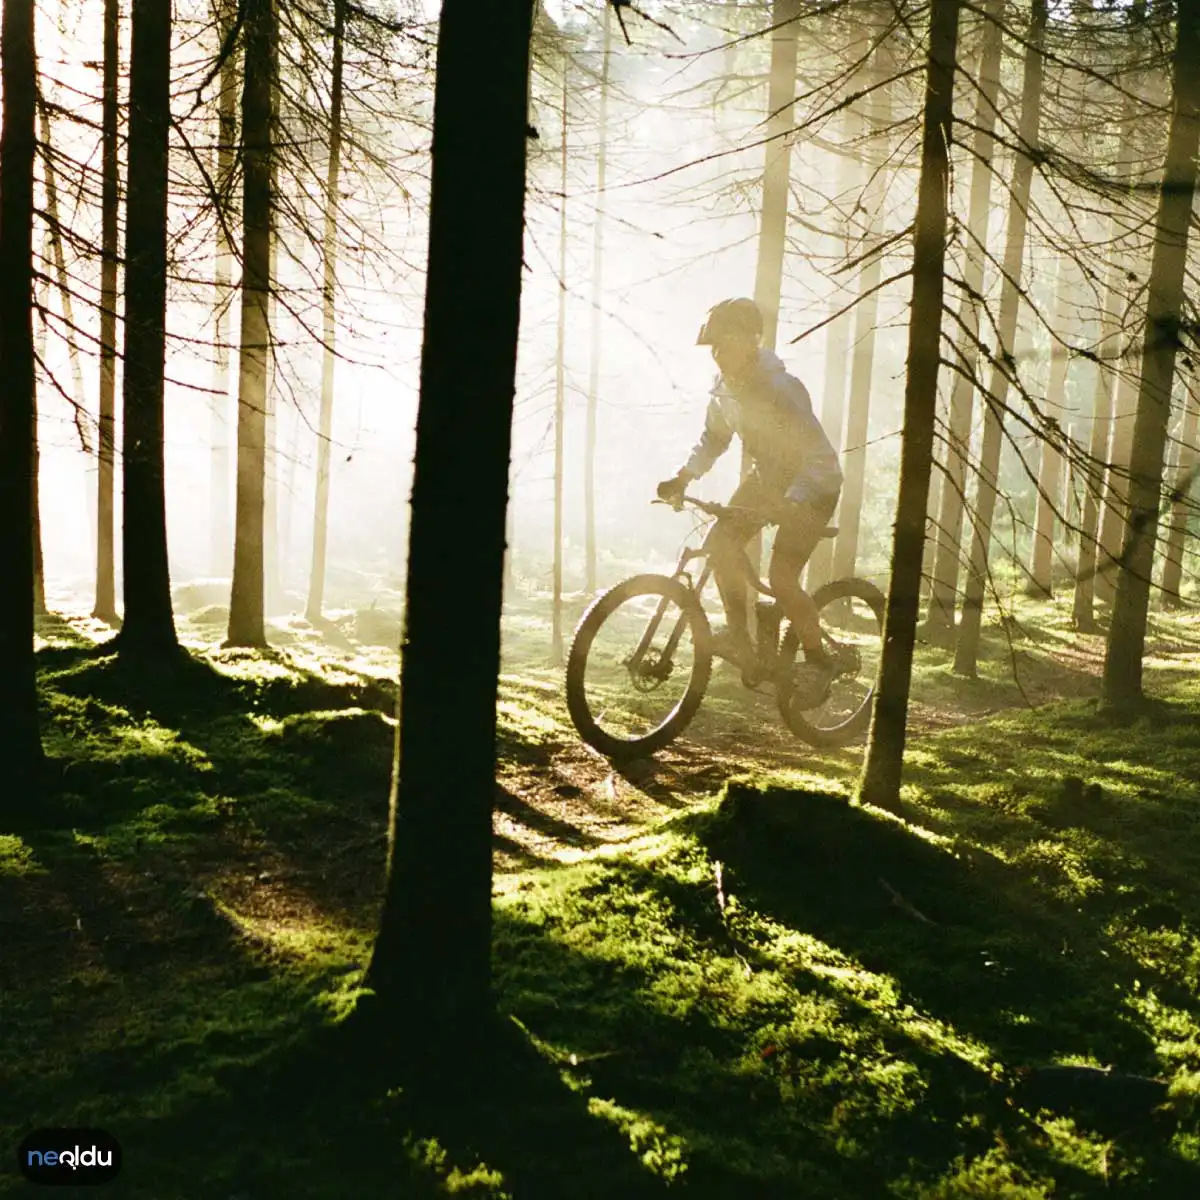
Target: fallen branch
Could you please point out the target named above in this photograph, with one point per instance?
(902, 904)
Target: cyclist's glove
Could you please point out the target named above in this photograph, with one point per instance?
(671, 490)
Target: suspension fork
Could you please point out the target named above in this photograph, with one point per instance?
(677, 633)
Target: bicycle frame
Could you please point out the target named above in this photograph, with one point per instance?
(696, 587)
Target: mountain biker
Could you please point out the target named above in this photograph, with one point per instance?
(794, 480)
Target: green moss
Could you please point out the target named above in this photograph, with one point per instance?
(774, 994)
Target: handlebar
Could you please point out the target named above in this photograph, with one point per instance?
(715, 510)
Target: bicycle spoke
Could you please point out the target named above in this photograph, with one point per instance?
(639, 667)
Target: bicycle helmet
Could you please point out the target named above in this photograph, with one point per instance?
(731, 318)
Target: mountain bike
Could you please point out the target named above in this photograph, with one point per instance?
(641, 659)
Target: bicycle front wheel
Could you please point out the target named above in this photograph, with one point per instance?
(851, 612)
(639, 666)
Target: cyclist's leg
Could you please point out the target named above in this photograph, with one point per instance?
(794, 543)
(725, 544)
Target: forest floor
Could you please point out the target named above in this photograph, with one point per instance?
(724, 979)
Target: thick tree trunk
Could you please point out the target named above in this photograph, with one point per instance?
(882, 769)
(316, 582)
(247, 626)
(943, 594)
(1164, 312)
(148, 629)
(966, 652)
(1177, 534)
(593, 394)
(431, 968)
(862, 364)
(1050, 468)
(106, 588)
(222, 422)
(20, 765)
(556, 630)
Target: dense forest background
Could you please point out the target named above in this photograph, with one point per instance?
(343, 346)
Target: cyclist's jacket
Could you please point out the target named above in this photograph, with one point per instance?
(773, 414)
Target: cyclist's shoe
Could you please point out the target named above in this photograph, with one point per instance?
(811, 681)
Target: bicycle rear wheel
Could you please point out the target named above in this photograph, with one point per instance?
(851, 612)
(639, 666)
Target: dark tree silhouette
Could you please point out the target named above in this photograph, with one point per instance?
(149, 626)
(880, 783)
(432, 961)
(1164, 312)
(20, 764)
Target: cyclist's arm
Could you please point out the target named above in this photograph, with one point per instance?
(714, 441)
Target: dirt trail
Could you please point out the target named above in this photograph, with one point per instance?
(567, 802)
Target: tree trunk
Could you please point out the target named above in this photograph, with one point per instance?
(966, 652)
(943, 595)
(50, 182)
(39, 560)
(222, 425)
(42, 304)
(106, 588)
(55, 246)
(1108, 346)
(148, 629)
(589, 450)
(316, 583)
(862, 365)
(837, 344)
(556, 632)
(1073, 504)
(22, 759)
(932, 505)
(772, 234)
(247, 626)
(1164, 312)
(273, 591)
(1050, 468)
(1177, 535)
(781, 96)
(287, 489)
(882, 769)
(1116, 491)
(1129, 260)
(431, 967)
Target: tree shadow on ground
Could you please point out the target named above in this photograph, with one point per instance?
(1023, 979)
(218, 1071)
